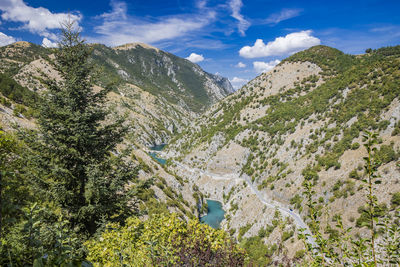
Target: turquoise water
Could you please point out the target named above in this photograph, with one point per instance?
(215, 214)
(154, 154)
(159, 160)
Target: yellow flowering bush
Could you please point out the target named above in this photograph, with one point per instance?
(164, 240)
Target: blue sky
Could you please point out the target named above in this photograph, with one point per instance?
(235, 38)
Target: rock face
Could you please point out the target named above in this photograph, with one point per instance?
(302, 120)
(160, 93)
(163, 74)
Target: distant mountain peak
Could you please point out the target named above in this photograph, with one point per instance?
(135, 45)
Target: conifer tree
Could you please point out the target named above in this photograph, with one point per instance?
(79, 167)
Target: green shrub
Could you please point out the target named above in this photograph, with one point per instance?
(258, 252)
(243, 230)
(363, 220)
(354, 174)
(395, 201)
(287, 235)
(386, 154)
(355, 146)
(299, 254)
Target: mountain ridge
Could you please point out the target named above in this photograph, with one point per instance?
(181, 87)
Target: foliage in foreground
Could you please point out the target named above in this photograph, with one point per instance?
(339, 248)
(164, 241)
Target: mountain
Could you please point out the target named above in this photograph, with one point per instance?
(254, 150)
(159, 92)
(163, 74)
(302, 121)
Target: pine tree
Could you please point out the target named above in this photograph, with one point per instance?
(79, 168)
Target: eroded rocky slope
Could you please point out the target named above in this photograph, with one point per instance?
(303, 120)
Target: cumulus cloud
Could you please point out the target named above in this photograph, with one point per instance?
(195, 58)
(48, 43)
(260, 66)
(36, 20)
(240, 65)
(117, 27)
(6, 40)
(289, 44)
(285, 14)
(238, 82)
(243, 24)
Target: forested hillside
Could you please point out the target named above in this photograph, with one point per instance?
(301, 124)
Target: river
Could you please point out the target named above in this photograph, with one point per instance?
(154, 154)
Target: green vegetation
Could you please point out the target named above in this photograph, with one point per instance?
(364, 219)
(339, 191)
(386, 154)
(30, 230)
(164, 241)
(395, 200)
(24, 100)
(243, 230)
(340, 248)
(24, 53)
(387, 51)
(15, 92)
(296, 201)
(260, 254)
(13, 194)
(331, 60)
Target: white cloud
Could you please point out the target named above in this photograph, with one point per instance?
(240, 65)
(48, 43)
(36, 20)
(201, 4)
(6, 40)
(285, 14)
(260, 66)
(243, 24)
(238, 82)
(195, 58)
(118, 27)
(391, 30)
(289, 44)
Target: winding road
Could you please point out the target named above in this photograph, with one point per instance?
(300, 224)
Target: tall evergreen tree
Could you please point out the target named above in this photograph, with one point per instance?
(79, 169)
